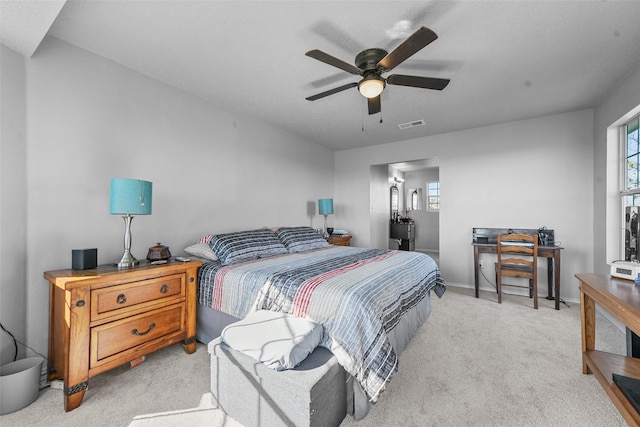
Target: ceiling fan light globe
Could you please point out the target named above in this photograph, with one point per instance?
(371, 86)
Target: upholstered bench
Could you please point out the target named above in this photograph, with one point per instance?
(312, 394)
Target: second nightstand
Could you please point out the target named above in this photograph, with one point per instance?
(339, 240)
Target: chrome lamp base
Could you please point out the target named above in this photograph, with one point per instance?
(127, 260)
(325, 233)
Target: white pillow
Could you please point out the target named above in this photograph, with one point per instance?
(279, 340)
(202, 250)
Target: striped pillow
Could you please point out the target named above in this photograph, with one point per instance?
(298, 239)
(242, 246)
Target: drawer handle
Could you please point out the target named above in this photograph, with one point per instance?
(140, 334)
(122, 299)
(164, 289)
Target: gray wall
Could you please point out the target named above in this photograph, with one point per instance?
(380, 205)
(13, 187)
(89, 119)
(479, 188)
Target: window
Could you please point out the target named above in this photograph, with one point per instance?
(622, 186)
(433, 196)
(631, 190)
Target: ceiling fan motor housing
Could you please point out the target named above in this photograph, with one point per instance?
(367, 60)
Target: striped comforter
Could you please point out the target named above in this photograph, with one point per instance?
(357, 294)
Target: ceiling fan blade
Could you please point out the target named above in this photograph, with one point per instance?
(335, 78)
(414, 43)
(331, 60)
(374, 105)
(416, 81)
(331, 91)
(336, 35)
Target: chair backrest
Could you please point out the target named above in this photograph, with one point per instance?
(519, 251)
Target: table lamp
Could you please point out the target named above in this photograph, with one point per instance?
(325, 207)
(129, 197)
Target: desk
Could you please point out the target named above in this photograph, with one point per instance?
(552, 253)
(621, 298)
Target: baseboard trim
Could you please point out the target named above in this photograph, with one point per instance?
(463, 285)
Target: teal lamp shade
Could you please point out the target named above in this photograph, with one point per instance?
(130, 197)
(325, 206)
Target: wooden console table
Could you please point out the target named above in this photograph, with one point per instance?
(621, 298)
(104, 317)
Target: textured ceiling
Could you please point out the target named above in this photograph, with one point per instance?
(507, 60)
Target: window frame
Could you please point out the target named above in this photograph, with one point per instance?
(613, 232)
(429, 205)
(628, 194)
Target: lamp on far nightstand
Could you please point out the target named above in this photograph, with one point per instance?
(325, 207)
(129, 197)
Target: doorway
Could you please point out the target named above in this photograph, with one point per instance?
(414, 175)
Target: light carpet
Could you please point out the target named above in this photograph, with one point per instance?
(204, 415)
(474, 362)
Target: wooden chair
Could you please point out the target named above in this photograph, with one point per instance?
(518, 257)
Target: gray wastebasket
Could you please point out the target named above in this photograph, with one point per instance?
(19, 384)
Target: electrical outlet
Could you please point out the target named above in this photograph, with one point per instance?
(480, 264)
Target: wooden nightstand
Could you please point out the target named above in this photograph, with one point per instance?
(104, 317)
(340, 240)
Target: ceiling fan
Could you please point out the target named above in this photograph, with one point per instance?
(372, 63)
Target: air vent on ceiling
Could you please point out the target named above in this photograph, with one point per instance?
(412, 124)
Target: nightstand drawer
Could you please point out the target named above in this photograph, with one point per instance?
(111, 301)
(120, 338)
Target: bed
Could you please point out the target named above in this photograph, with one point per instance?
(369, 301)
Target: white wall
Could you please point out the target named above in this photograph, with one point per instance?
(13, 187)
(90, 119)
(479, 188)
(380, 198)
(607, 213)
